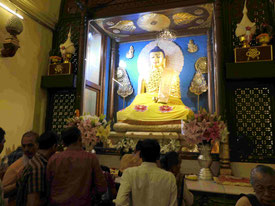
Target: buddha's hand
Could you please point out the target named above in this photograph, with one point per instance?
(155, 99)
(162, 102)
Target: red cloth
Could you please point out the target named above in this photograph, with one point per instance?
(73, 174)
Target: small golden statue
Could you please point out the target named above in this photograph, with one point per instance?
(244, 42)
(263, 39)
(130, 53)
(266, 34)
(192, 47)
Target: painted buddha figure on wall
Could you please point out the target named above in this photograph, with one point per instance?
(159, 97)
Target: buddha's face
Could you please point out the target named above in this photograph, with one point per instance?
(156, 59)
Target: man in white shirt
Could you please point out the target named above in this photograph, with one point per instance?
(147, 185)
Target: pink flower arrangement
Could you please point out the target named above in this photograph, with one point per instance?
(93, 129)
(204, 128)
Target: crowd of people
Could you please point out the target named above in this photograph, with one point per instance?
(42, 176)
(39, 175)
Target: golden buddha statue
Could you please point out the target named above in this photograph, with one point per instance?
(159, 99)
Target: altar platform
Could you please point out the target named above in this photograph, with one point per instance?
(213, 187)
(163, 133)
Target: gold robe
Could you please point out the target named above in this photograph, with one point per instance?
(160, 102)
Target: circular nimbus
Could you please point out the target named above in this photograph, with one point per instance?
(153, 22)
(173, 55)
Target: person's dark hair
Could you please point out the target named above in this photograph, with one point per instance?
(30, 134)
(139, 145)
(105, 168)
(169, 160)
(2, 134)
(150, 150)
(262, 169)
(70, 135)
(47, 140)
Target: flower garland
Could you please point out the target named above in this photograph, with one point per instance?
(204, 128)
(94, 129)
(173, 145)
(126, 145)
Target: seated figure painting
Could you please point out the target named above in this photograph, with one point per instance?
(159, 98)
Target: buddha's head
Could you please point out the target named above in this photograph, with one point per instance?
(157, 57)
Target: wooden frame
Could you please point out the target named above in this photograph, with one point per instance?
(97, 97)
(117, 9)
(218, 58)
(104, 11)
(213, 67)
(99, 88)
(211, 86)
(112, 75)
(214, 50)
(152, 35)
(210, 72)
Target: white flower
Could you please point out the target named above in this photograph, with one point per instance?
(173, 145)
(126, 145)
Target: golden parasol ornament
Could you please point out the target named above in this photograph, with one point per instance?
(198, 84)
(201, 65)
(153, 22)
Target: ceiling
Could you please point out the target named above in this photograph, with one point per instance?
(183, 21)
(44, 12)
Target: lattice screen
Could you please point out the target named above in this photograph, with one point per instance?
(253, 119)
(63, 108)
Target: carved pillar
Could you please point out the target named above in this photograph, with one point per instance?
(219, 82)
(111, 82)
(218, 58)
(210, 71)
(225, 168)
(81, 54)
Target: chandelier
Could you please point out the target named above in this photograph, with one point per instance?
(166, 34)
